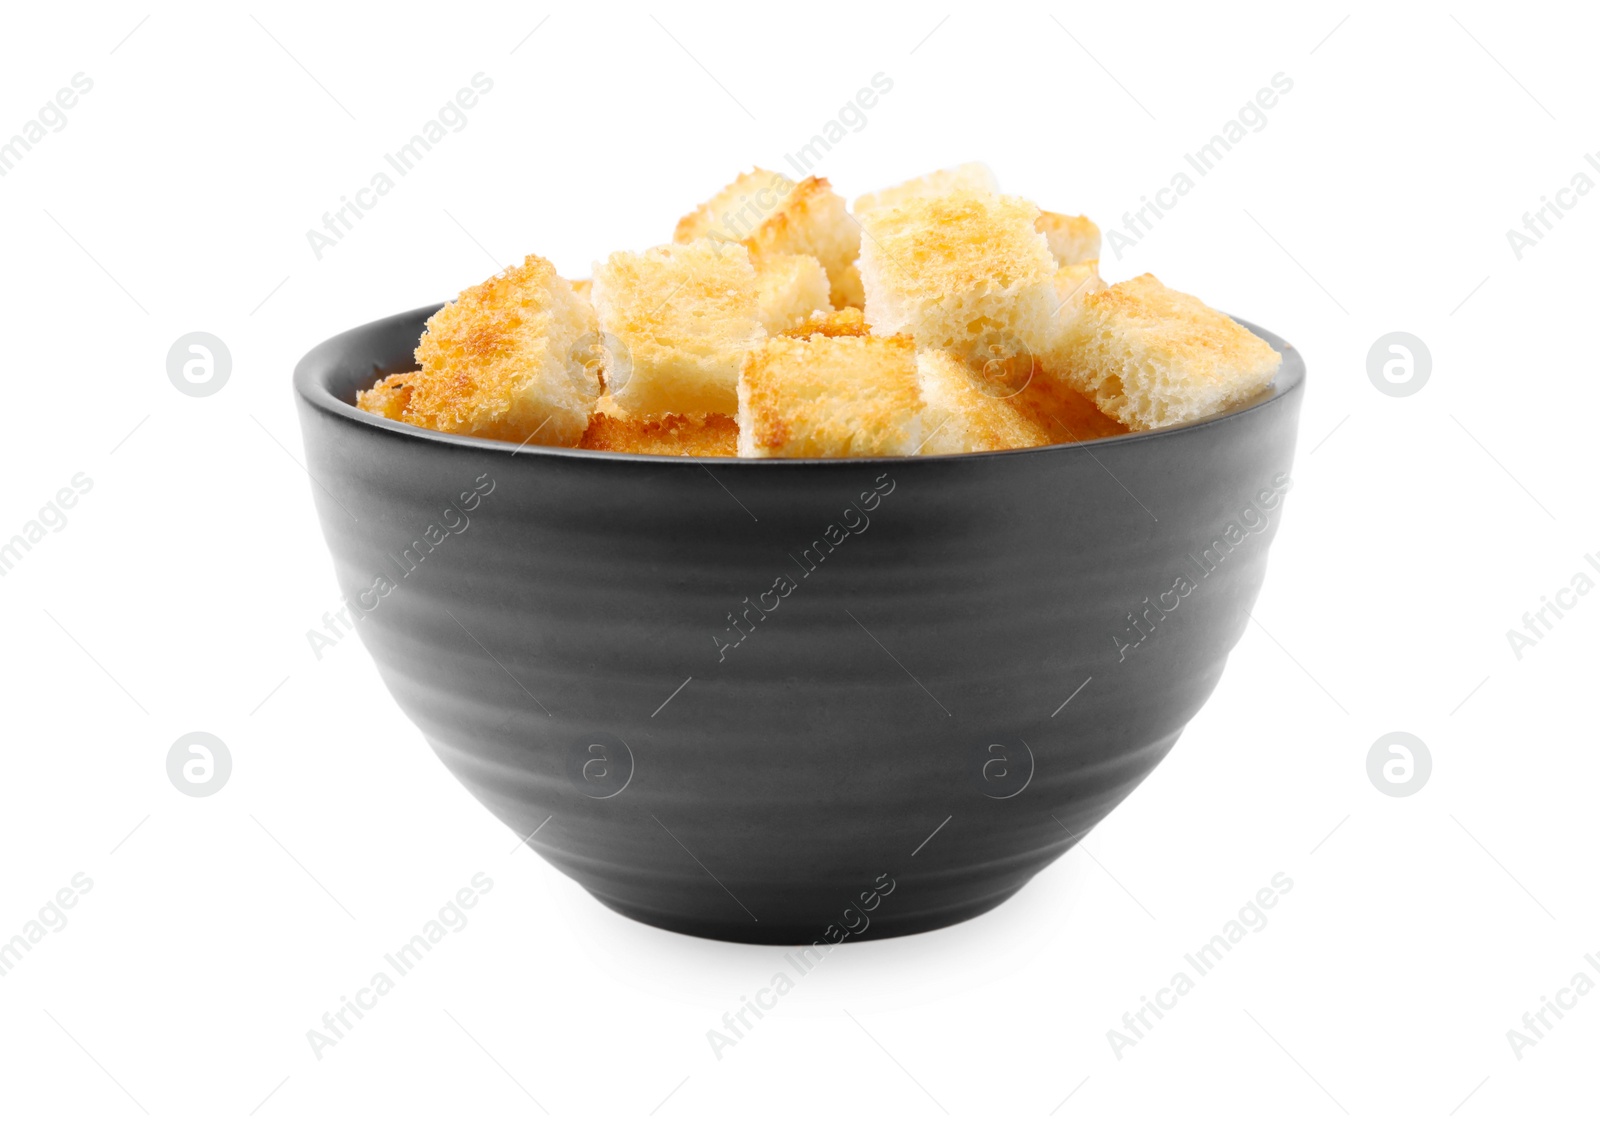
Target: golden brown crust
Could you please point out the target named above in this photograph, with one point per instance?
(498, 361)
(960, 242)
(1066, 416)
(388, 398)
(829, 397)
(966, 411)
(846, 322)
(700, 438)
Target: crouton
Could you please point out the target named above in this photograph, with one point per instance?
(960, 272)
(790, 288)
(1153, 357)
(387, 398)
(1067, 416)
(827, 397)
(738, 212)
(580, 287)
(683, 317)
(698, 438)
(845, 322)
(1072, 239)
(769, 213)
(498, 361)
(966, 412)
(973, 177)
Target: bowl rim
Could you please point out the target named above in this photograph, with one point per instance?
(311, 387)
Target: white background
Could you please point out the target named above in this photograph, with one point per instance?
(178, 596)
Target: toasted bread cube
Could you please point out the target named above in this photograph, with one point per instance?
(830, 397)
(968, 412)
(682, 318)
(960, 272)
(499, 361)
(610, 429)
(973, 177)
(580, 287)
(1072, 239)
(389, 397)
(845, 322)
(1067, 416)
(790, 288)
(739, 212)
(1153, 357)
(770, 214)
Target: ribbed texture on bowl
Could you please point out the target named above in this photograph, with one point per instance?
(769, 791)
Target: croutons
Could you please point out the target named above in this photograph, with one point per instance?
(699, 438)
(973, 177)
(389, 397)
(847, 321)
(961, 272)
(1072, 239)
(828, 397)
(683, 316)
(769, 213)
(966, 412)
(1153, 357)
(943, 317)
(499, 361)
(790, 288)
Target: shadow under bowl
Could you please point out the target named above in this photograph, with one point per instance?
(794, 701)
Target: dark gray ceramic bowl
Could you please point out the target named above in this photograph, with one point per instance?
(794, 701)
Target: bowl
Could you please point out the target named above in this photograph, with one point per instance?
(794, 701)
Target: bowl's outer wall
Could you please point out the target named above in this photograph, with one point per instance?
(909, 680)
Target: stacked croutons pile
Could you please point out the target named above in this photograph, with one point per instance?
(936, 317)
